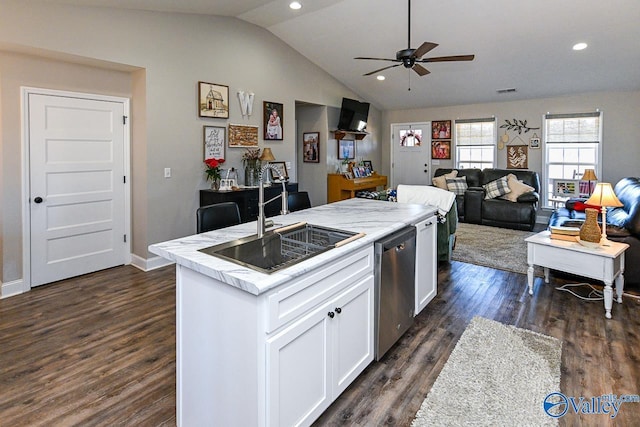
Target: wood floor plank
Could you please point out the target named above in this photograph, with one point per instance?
(99, 350)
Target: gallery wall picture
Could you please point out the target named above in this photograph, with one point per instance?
(311, 147)
(243, 136)
(517, 157)
(346, 149)
(441, 129)
(213, 100)
(273, 121)
(441, 149)
(214, 142)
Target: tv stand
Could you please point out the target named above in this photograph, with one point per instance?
(340, 134)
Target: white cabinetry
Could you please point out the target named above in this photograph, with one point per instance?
(315, 358)
(426, 263)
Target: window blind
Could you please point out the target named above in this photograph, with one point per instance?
(475, 132)
(572, 128)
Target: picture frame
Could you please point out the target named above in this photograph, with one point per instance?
(214, 141)
(441, 149)
(367, 164)
(534, 142)
(566, 187)
(273, 120)
(346, 149)
(213, 100)
(243, 136)
(441, 129)
(311, 147)
(282, 167)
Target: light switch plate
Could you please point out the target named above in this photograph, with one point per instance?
(167, 172)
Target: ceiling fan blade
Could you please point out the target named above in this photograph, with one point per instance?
(381, 69)
(420, 70)
(424, 48)
(448, 58)
(377, 59)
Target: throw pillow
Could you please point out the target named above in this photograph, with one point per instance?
(496, 188)
(441, 181)
(518, 188)
(457, 185)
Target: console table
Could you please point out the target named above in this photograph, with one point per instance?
(247, 199)
(341, 188)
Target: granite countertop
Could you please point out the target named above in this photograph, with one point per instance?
(373, 217)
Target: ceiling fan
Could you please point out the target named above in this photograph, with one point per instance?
(411, 58)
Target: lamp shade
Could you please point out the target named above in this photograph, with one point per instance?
(267, 155)
(603, 195)
(589, 175)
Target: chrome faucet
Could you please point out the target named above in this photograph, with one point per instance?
(261, 203)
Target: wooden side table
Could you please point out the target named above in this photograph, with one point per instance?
(604, 263)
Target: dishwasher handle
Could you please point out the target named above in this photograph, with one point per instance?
(398, 239)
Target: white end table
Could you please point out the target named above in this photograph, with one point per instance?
(604, 263)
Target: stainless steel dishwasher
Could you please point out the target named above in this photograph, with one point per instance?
(395, 257)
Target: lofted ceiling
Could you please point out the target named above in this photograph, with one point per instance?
(526, 45)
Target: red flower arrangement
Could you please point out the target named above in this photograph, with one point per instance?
(213, 169)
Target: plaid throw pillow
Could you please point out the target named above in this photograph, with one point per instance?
(497, 188)
(457, 185)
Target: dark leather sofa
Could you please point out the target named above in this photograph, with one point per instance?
(473, 208)
(623, 224)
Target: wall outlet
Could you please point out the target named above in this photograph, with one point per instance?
(167, 172)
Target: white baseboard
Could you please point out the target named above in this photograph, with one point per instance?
(149, 264)
(12, 288)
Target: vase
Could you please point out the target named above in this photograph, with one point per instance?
(215, 184)
(590, 230)
(252, 173)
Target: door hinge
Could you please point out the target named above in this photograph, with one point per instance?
(124, 179)
(125, 238)
(124, 120)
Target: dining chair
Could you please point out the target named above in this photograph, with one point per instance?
(219, 215)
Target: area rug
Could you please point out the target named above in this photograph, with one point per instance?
(497, 375)
(499, 248)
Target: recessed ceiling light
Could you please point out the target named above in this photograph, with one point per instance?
(295, 5)
(380, 77)
(579, 46)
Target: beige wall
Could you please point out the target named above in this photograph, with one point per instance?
(621, 150)
(171, 53)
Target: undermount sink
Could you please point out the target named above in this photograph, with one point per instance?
(283, 247)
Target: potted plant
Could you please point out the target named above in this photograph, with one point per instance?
(212, 169)
(251, 163)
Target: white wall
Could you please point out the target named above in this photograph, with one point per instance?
(621, 129)
(170, 53)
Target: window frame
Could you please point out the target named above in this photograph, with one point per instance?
(493, 144)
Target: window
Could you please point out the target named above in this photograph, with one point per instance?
(571, 145)
(475, 143)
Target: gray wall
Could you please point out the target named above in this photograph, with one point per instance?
(621, 127)
(164, 56)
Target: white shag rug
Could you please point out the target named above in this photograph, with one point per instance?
(497, 375)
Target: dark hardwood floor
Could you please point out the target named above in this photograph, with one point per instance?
(99, 350)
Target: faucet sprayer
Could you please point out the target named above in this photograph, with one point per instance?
(261, 203)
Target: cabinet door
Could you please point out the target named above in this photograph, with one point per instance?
(352, 329)
(426, 263)
(298, 371)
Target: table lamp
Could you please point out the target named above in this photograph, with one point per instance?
(604, 197)
(267, 156)
(589, 175)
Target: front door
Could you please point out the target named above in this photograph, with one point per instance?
(411, 154)
(77, 189)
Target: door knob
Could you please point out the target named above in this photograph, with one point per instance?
(38, 200)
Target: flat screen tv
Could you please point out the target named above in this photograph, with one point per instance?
(353, 115)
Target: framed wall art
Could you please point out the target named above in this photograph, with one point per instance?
(243, 136)
(215, 138)
(534, 141)
(441, 129)
(517, 157)
(272, 113)
(441, 149)
(213, 100)
(282, 170)
(346, 149)
(311, 147)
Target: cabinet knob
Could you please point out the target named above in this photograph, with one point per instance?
(338, 310)
(331, 314)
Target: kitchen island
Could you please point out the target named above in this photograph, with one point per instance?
(276, 349)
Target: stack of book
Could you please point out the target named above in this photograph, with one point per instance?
(564, 233)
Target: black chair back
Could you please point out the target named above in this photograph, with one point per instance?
(217, 216)
(298, 201)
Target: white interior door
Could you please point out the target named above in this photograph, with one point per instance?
(77, 190)
(411, 152)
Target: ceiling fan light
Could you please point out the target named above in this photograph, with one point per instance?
(380, 77)
(580, 46)
(295, 5)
